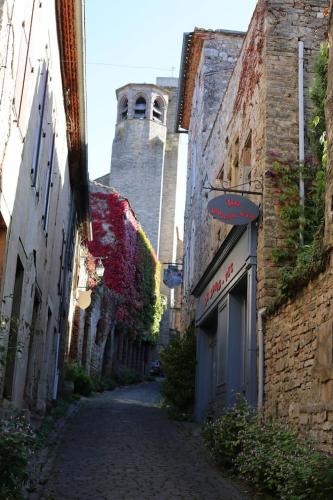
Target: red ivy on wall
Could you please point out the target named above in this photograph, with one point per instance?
(115, 239)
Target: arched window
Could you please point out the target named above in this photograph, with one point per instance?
(158, 110)
(140, 108)
(123, 108)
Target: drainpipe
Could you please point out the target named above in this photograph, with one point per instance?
(261, 359)
(301, 133)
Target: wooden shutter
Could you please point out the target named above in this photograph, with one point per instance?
(24, 64)
(39, 138)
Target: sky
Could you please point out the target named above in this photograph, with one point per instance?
(135, 41)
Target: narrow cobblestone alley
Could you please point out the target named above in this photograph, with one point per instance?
(121, 445)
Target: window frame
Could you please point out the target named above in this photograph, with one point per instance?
(48, 184)
(39, 143)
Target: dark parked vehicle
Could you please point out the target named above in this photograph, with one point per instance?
(156, 368)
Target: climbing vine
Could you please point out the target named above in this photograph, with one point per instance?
(301, 262)
(148, 274)
(132, 271)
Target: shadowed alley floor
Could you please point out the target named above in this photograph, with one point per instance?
(121, 445)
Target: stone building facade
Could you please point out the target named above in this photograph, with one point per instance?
(230, 276)
(117, 327)
(144, 166)
(299, 336)
(44, 191)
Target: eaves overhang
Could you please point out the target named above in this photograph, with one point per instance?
(71, 38)
(190, 60)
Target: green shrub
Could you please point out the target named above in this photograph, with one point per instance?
(16, 444)
(178, 361)
(269, 455)
(101, 384)
(125, 376)
(223, 434)
(83, 383)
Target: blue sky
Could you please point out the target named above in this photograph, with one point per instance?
(136, 41)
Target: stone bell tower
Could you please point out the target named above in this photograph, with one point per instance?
(144, 165)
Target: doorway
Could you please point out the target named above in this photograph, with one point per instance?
(13, 331)
(232, 346)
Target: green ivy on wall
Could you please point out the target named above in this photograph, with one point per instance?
(302, 262)
(149, 270)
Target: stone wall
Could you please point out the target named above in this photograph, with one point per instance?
(137, 162)
(299, 362)
(255, 123)
(288, 22)
(329, 126)
(218, 58)
(144, 168)
(168, 240)
(299, 336)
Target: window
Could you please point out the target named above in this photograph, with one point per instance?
(14, 330)
(192, 254)
(40, 134)
(62, 265)
(220, 177)
(247, 160)
(49, 184)
(158, 110)
(140, 108)
(3, 240)
(193, 168)
(123, 108)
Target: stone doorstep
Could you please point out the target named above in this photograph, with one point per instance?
(41, 464)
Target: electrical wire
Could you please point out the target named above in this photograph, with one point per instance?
(129, 67)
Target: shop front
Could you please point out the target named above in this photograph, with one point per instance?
(226, 324)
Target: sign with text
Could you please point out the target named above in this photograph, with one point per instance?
(233, 209)
(229, 270)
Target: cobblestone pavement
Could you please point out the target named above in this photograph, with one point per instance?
(121, 445)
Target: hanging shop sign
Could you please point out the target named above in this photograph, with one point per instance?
(233, 209)
(172, 276)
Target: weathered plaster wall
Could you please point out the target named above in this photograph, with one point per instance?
(42, 252)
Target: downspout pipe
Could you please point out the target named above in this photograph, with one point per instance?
(261, 358)
(301, 134)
